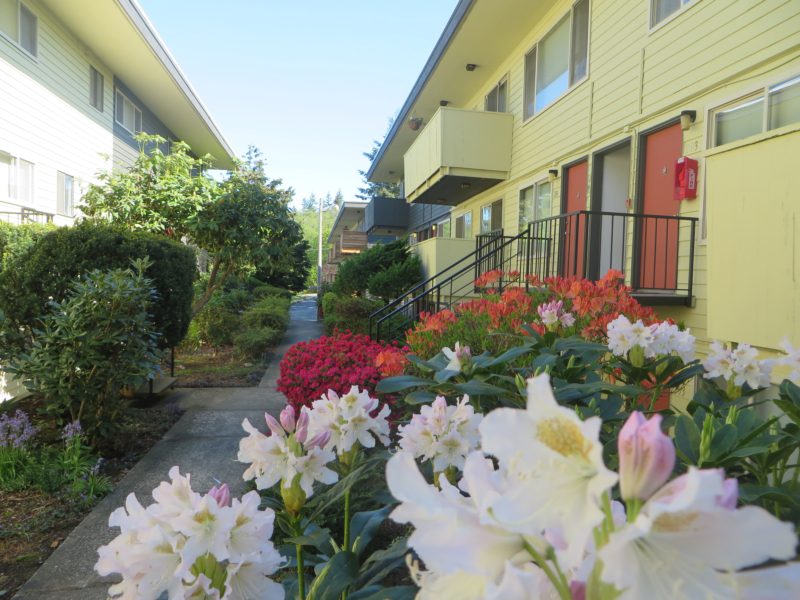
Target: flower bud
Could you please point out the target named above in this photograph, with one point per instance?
(646, 457)
(730, 494)
(320, 440)
(293, 496)
(287, 418)
(273, 425)
(222, 494)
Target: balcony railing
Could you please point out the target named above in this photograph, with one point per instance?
(655, 253)
(458, 154)
(25, 215)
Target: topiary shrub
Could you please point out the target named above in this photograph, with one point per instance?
(347, 313)
(48, 267)
(272, 312)
(16, 239)
(254, 343)
(215, 325)
(97, 341)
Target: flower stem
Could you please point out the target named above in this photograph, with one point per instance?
(346, 544)
(559, 583)
(301, 582)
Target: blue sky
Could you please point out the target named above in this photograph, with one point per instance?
(309, 82)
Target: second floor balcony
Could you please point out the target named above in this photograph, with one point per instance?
(457, 155)
(346, 244)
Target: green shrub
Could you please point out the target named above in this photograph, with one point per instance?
(265, 290)
(216, 324)
(347, 312)
(253, 343)
(271, 311)
(396, 279)
(99, 340)
(16, 239)
(236, 300)
(48, 267)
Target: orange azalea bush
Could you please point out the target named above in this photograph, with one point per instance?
(493, 321)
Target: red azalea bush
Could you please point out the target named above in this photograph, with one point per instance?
(494, 320)
(336, 362)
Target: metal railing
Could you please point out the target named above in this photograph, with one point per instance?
(25, 215)
(657, 251)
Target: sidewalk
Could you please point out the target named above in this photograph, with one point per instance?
(204, 442)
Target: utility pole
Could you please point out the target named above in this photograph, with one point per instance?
(319, 258)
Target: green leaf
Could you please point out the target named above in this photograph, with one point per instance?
(376, 592)
(334, 578)
(364, 525)
(479, 388)
(420, 397)
(445, 375)
(402, 382)
(723, 440)
(687, 439)
(509, 355)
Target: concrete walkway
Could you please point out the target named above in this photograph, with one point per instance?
(204, 442)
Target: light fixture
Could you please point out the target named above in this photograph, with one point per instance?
(553, 173)
(687, 118)
(471, 67)
(444, 102)
(414, 123)
(465, 185)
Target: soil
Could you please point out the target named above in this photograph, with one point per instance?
(221, 367)
(34, 523)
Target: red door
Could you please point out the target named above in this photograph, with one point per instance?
(575, 224)
(658, 257)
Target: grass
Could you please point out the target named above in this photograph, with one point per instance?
(216, 368)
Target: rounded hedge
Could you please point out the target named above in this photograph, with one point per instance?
(52, 262)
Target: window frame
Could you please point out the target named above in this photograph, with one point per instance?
(490, 206)
(651, 13)
(64, 207)
(96, 93)
(496, 89)
(534, 49)
(119, 92)
(18, 41)
(442, 225)
(761, 93)
(534, 186)
(468, 233)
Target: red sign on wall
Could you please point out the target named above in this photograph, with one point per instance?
(685, 178)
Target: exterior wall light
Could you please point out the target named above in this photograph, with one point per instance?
(553, 173)
(471, 66)
(687, 118)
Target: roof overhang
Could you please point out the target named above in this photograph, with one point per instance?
(350, 213)
(121, 36)
(482, 33)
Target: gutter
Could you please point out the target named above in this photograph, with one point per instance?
(148, 32)
(439, 49)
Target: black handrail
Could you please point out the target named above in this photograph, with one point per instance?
(375, 315)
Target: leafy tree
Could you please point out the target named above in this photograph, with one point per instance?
(371, 189)
(160, 193)
(250, 223)
(309, 222)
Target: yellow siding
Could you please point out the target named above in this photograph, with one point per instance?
(754, 242)
(710, 53)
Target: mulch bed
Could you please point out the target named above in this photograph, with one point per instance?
(221, 367)
(33, 523)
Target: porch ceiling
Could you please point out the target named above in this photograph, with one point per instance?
(485, 35)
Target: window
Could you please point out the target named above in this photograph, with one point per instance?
(6, 176)
(464, 226)
(773, 107)
(128, 114)
(96, 82)
(534, 203)
(492, 217)
(65, 202)
(497, 99)
(443, 228)
(24, 181)
(558, 61)
(16, 179)
(19, 24)
(661, 9)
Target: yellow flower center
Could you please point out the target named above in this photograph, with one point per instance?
(674, 522)
(562, 436)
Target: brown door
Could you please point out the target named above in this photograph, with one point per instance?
(574, 224)
(658, 238)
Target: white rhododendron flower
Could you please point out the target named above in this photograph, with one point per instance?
(192, 546)
(689, 540)
(450, 535)
(458, 357)
(442, 433)
(739, 366)
(791, 360)
(349, 420)
(552, 468)
(658, 339)
(278, 457)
